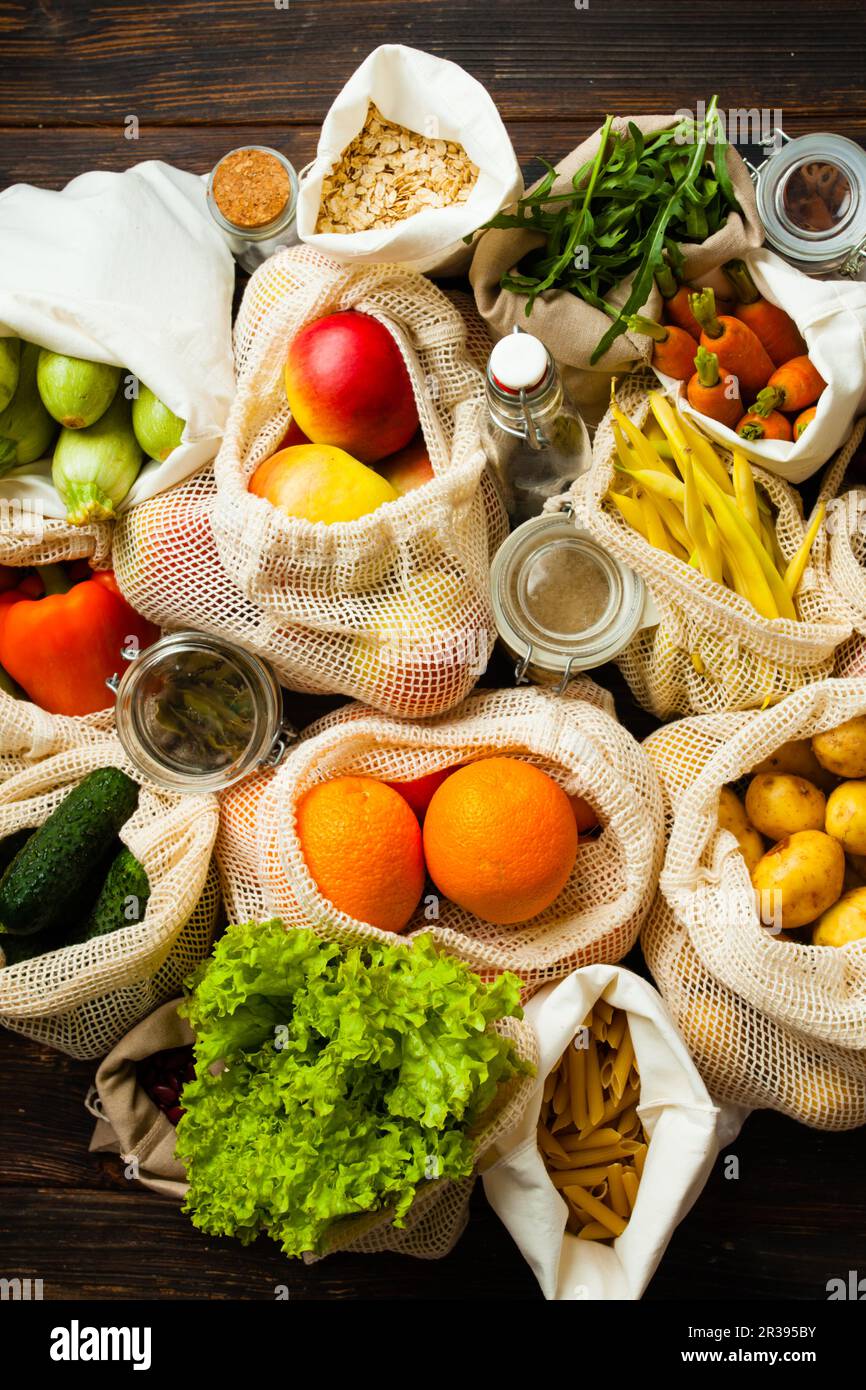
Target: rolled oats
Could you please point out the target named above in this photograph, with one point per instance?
(388, 173)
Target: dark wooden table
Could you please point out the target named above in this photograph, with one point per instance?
(200, 78)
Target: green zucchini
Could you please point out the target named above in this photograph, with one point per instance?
(53, 868)
(123, 898)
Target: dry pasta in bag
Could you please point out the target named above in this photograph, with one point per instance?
(81, 998)
(573, 738)
(711, 650)
(392, 607)
(615, 1144)
(773, 1019)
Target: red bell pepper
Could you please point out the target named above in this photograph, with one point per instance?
(61, 649)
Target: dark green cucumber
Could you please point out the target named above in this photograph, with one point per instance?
(123, 898)
(54, 866)
(76, 917)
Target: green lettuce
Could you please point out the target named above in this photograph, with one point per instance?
(348, 1077)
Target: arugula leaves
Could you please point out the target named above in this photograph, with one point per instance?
(630, 205)
(351, 1076)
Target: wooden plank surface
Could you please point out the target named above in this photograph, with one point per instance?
(201, 77)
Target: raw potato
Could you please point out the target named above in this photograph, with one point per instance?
(781, 805)
(806, 871)
(843, 923)
(846, 817)
(732, 816)
(798, 759)
(843, 750)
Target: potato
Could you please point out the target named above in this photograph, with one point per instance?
(803, 876)
(844, 922)
(846, 816)
(797, 759)
(781, 805)
(843, 750)
(732, 816)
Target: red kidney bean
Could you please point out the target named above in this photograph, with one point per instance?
(175, 1114)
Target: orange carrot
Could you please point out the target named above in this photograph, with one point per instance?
(772, 426)
(803, 419)
(791, 387)
(739, 351)
(770, 324)
(673, 348)
(712, 394)
(675, 304)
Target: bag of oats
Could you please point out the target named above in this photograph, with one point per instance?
(711, 650)
(772, 1023)
(82, 998)
(392, 608)
(575, 738)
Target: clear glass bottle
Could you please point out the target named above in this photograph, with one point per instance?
(540, 442)
(252, 245)
(196, 714)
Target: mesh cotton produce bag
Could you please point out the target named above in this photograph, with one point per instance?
(574, 737)
(772, 1023)
(841, 550)
(392, 608)
(711, 651)
(83, 998)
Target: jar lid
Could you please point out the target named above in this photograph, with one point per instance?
(197, 714)
(244, 200)
(561, 603)
(811, 196)
(518, 362)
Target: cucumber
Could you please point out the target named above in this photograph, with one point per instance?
(53, 868)
(123, 898)
(10, 846)
(76, 917)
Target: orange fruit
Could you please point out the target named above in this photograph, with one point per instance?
(584, 815)
(419, 791)
(500, 839)
(362, 844)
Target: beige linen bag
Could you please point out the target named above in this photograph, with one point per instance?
(711, 650)
(772, 1024)
(129, 1123)
(568, 326)
(393, 608)
(81, 999)
(574, 737)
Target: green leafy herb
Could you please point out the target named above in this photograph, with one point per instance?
(350, 1077)
(627, 210)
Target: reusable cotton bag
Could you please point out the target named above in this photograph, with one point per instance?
(772, 1024)
(831, 315)
(568, 326)
(711, 649)
(81, 999)
(678, 1116)
(127, 269)
(574, 737)
(435, 98)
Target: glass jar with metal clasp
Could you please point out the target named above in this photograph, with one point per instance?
(561, 603)
(197, 714)
(811, 196)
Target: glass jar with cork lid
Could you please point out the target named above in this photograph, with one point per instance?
(252, 194)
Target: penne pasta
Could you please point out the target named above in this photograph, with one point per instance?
(560, 1095)
(618, 1199)
(631, 1183)
(599, 1028)
(628, 1124)
(594, 1140)
(596, 1209)
(606, 1073)
(549, 1087)
(622, 1066)
(606, 1010)
(577, 1082)
(593, 1231)
(616, 1030)
(594, 1094)
(549, 1145)
(640, 1159)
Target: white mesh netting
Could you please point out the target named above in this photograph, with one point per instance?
(772, 1023)
(574, 738)
(841, 548)
(392, 608)
(82, 999)
(710, 651)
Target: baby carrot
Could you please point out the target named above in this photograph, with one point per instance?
(803, 419)
(673, 348)
(791, 387)
(739, 352)
(711, 394)
(770, 324)
(676, 301)
(756, 426)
